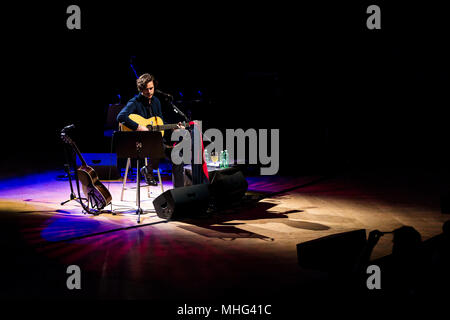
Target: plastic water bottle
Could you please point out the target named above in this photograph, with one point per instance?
(221, 159)
(225, 159)
(207, 157)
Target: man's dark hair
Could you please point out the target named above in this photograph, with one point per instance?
(142, 81)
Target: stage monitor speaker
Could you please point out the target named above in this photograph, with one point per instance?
(184, 202)
(104, 164)
(227, 186)
(333, 253)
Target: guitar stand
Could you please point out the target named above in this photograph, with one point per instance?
(91, 197)
(73, 197)
(94, 201)
(138, 145)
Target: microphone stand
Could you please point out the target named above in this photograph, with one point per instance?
(197, 177)
(176, 109)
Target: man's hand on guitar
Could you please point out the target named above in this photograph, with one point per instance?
(142, 128)
(180, 126)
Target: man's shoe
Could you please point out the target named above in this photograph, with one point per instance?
(148, 177)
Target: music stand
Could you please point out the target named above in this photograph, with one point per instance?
(138, 145)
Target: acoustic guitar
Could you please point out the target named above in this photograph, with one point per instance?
(93, 189)
(153, 123)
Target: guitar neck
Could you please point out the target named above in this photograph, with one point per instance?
(162, 127)
(83, 162)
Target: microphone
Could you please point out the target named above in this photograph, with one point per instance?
(164, 94)
(69, 127)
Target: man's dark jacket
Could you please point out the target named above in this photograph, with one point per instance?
(141, 106)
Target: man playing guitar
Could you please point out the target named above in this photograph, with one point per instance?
(148, 106)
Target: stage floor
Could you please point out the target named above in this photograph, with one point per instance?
(247, 251)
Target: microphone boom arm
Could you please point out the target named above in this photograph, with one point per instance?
(177, 110)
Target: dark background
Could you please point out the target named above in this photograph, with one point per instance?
(341, 95)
